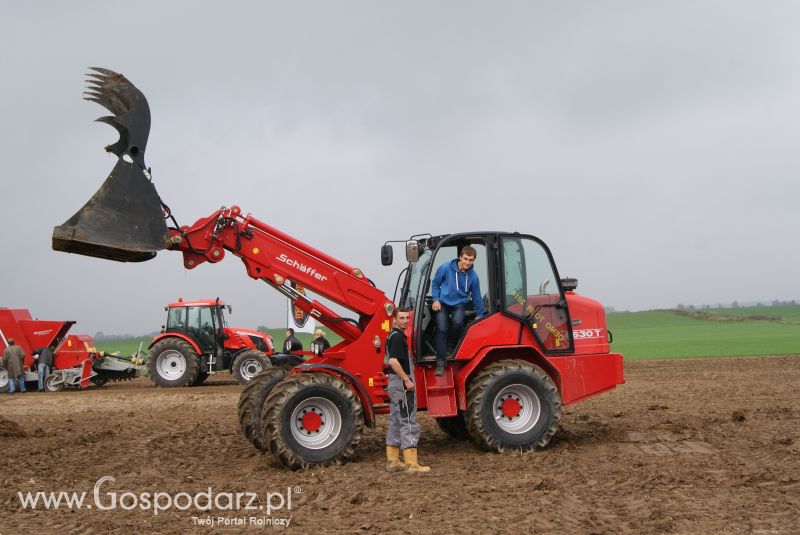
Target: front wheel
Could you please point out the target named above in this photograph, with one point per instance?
(312, 419)
(251, 403)
(54, 383)
(248, 364)
(173, 362)
(512, 404)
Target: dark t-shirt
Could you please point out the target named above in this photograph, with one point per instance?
(396, 347)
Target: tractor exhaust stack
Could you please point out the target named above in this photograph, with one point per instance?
(124, 219)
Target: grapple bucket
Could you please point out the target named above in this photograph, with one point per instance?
(123, 220)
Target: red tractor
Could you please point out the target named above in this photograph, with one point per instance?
(539, 346)
(196, 342)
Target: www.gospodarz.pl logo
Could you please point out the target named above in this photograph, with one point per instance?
(159, 502)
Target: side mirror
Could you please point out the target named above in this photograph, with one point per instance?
(387, 255)
(412, 250)
(230, 309)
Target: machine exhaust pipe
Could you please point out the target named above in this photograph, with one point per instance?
(124, 219)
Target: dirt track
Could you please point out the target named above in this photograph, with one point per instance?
(694, 446)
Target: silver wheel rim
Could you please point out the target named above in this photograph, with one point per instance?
(529, 409)
(3, 378)
(250, 368)
(54, 383)
(171, 365)
(329, 428)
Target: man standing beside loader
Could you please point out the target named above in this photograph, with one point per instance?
(403, 431)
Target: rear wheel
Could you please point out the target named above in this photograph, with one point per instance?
(3, 379)
(248, 364)
(53, 383)
(251, 403)
(201, 378)
(311, 419)
(512, 404)
(173, 362)
(454, 426)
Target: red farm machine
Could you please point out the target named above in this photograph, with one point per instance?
(76, 363)
(540, 345)
(196, 341)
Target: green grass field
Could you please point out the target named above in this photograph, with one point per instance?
(654, 334)
(129, 346)
(662, 334)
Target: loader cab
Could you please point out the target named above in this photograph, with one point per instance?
(518, 278)
(202, 321)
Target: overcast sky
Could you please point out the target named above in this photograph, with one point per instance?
(652, 145)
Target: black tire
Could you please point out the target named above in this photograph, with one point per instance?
(295, 416)
(201, 378)
(53, 383)
(173, 362)
(454, 426)
(512, 404)
(248, 364)
(251, 403)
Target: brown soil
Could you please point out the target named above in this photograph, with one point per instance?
(691, 446)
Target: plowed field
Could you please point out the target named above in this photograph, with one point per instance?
(689, 446)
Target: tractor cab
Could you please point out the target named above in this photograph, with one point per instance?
(202, 321)
(518, 279)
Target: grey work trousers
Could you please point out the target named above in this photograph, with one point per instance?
(403, 427)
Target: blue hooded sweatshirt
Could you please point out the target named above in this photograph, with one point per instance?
(451, 286)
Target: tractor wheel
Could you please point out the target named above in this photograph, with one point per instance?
(248, 364)
(251, 402)
(201, 378)
(3, 379)
(53, 383)
(454, 426)
(311, 419)
(512, 404)
(173, 362)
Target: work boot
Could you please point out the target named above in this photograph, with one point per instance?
(410, 456)
(439, 368)
(393, 456)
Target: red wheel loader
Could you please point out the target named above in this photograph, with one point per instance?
(76, 362)
(196, 342)
(539, 346)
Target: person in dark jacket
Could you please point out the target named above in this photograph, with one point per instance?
(291, 343)
(452, 284)
(320, 343)
(45, 365)
(13, 359)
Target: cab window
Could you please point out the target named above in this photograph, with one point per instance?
(447, 254)
(532, 293)
(176, 318)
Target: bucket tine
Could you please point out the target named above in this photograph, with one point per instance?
(123, 220)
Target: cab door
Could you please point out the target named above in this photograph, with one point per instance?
(424, 269)
(200, 324)
(531, 291)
